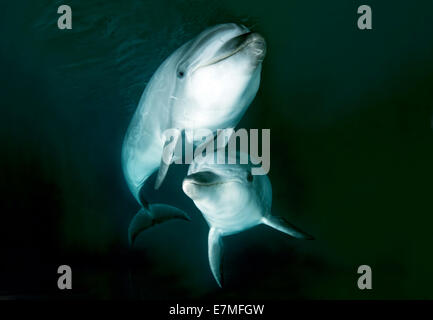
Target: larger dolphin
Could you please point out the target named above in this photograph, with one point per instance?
(209, 83)
(232, 200)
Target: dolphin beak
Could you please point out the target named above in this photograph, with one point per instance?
(193, 184)
(257, 45)
(204, 178)
(252, 41)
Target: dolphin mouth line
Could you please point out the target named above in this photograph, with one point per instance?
(243, 45)
(209, 184)
(206, 184)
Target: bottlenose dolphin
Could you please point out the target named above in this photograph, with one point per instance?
(231, 200)
(208, 83)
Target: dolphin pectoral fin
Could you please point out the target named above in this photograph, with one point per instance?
(154, 214)
(162, 172)
(215, 250)
(167, 158)
(281, 224)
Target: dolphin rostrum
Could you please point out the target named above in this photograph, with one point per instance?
(231, 200)
(208, 83)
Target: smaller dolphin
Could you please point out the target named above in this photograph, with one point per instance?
(231, 200)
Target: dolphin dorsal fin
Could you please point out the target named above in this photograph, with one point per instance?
(167, 156)
(281, 224)
(215, 249)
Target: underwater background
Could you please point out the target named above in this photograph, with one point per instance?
(350, 114)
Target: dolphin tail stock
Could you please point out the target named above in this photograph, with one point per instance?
(167, 156)
(215, 251)
(282, 225)
(151, 215)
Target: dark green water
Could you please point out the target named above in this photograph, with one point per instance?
(351, 151)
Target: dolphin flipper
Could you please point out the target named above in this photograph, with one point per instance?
(281, 224)
(215, 249)
(167, 157)
(152, 215)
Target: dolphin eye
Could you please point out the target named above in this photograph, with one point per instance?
(180, 74)
(250, 177)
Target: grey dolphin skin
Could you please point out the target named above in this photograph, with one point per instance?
(231, 200)
(209, 82)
